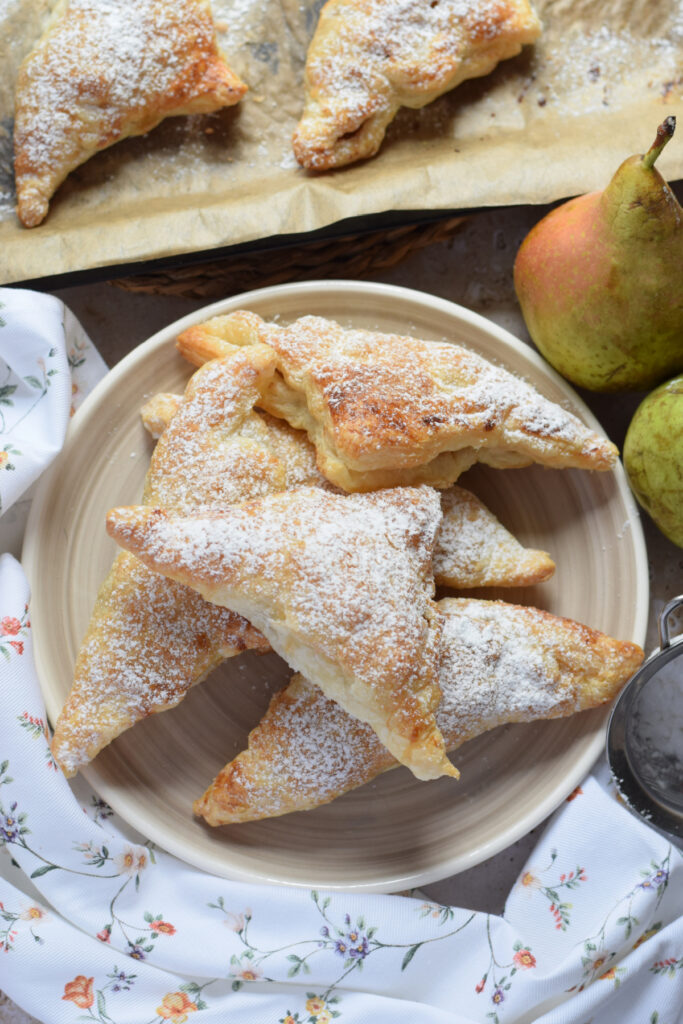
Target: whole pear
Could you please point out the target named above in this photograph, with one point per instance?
(600, 280)
(653, 457)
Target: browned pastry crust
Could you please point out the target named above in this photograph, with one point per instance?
(367, 58)
(341, 585)
(500, 663)
(386, 410)
(150, 639)
(472, 549)
(106, 71)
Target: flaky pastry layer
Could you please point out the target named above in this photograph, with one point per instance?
(367, 58)
(500, 664)
(388, 410)
(103, 72)
(341, 586)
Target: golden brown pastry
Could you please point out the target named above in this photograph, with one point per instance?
(104, 71)
(385, 410)
(341, 586)
(473, 549)
(150, 639)
(158, 411)
(500, 663)
(367, 58)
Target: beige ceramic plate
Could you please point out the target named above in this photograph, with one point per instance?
(395, 832)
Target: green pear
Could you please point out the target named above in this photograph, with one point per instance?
(600, 280)
(653, 457)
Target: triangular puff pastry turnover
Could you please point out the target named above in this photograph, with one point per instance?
(367, 58)
(472, 548)
(341, 586)
(150, 638)
(388, 410)
(104, 71)
(500, 663)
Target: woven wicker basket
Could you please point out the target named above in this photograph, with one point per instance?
(349, 256)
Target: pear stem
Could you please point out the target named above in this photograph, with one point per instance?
(664, 133)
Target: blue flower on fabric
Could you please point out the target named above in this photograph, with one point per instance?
(654, 881)
(136, 952)
(9, 826)
(497, 996)
(358, 945)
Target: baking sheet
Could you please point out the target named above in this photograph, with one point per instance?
(553, 122)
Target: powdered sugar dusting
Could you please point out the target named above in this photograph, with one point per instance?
(216, 448)
(115, 54)
(340, 585)
(500, 664)
(474, 550)
(150, 639)
(383, 400)
(366, 60)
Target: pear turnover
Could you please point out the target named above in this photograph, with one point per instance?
(341, 586)
(105, 71)
(386, 410)
(149, 638)
(500, 663)
(472, 548)
(367, 58)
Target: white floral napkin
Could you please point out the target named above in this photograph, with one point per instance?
(98, 925)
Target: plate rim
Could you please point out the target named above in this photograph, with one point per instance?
(534, 816)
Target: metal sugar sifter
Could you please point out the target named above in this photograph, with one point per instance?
(645, 733)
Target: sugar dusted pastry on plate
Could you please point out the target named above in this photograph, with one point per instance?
(386, 410)
(472, 548)
(341, 586)
(104, 71)
(367, 58)
(500, 663)
(149, 638)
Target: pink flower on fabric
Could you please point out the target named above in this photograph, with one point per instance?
(525, 959)
(9, 626)
(163, 927)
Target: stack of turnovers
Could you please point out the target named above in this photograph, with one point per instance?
(368, 58)
(249, 535)
(103, 72)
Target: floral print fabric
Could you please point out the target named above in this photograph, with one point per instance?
(98, 925)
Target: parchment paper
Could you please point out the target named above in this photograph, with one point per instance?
(553, 122)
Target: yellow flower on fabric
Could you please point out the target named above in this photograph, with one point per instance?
(175, 1007)
(529, 882)
(248, 974)
(324, 1017)
(4, 458)
(647, 935)
(315, 1005)
(33, 913)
